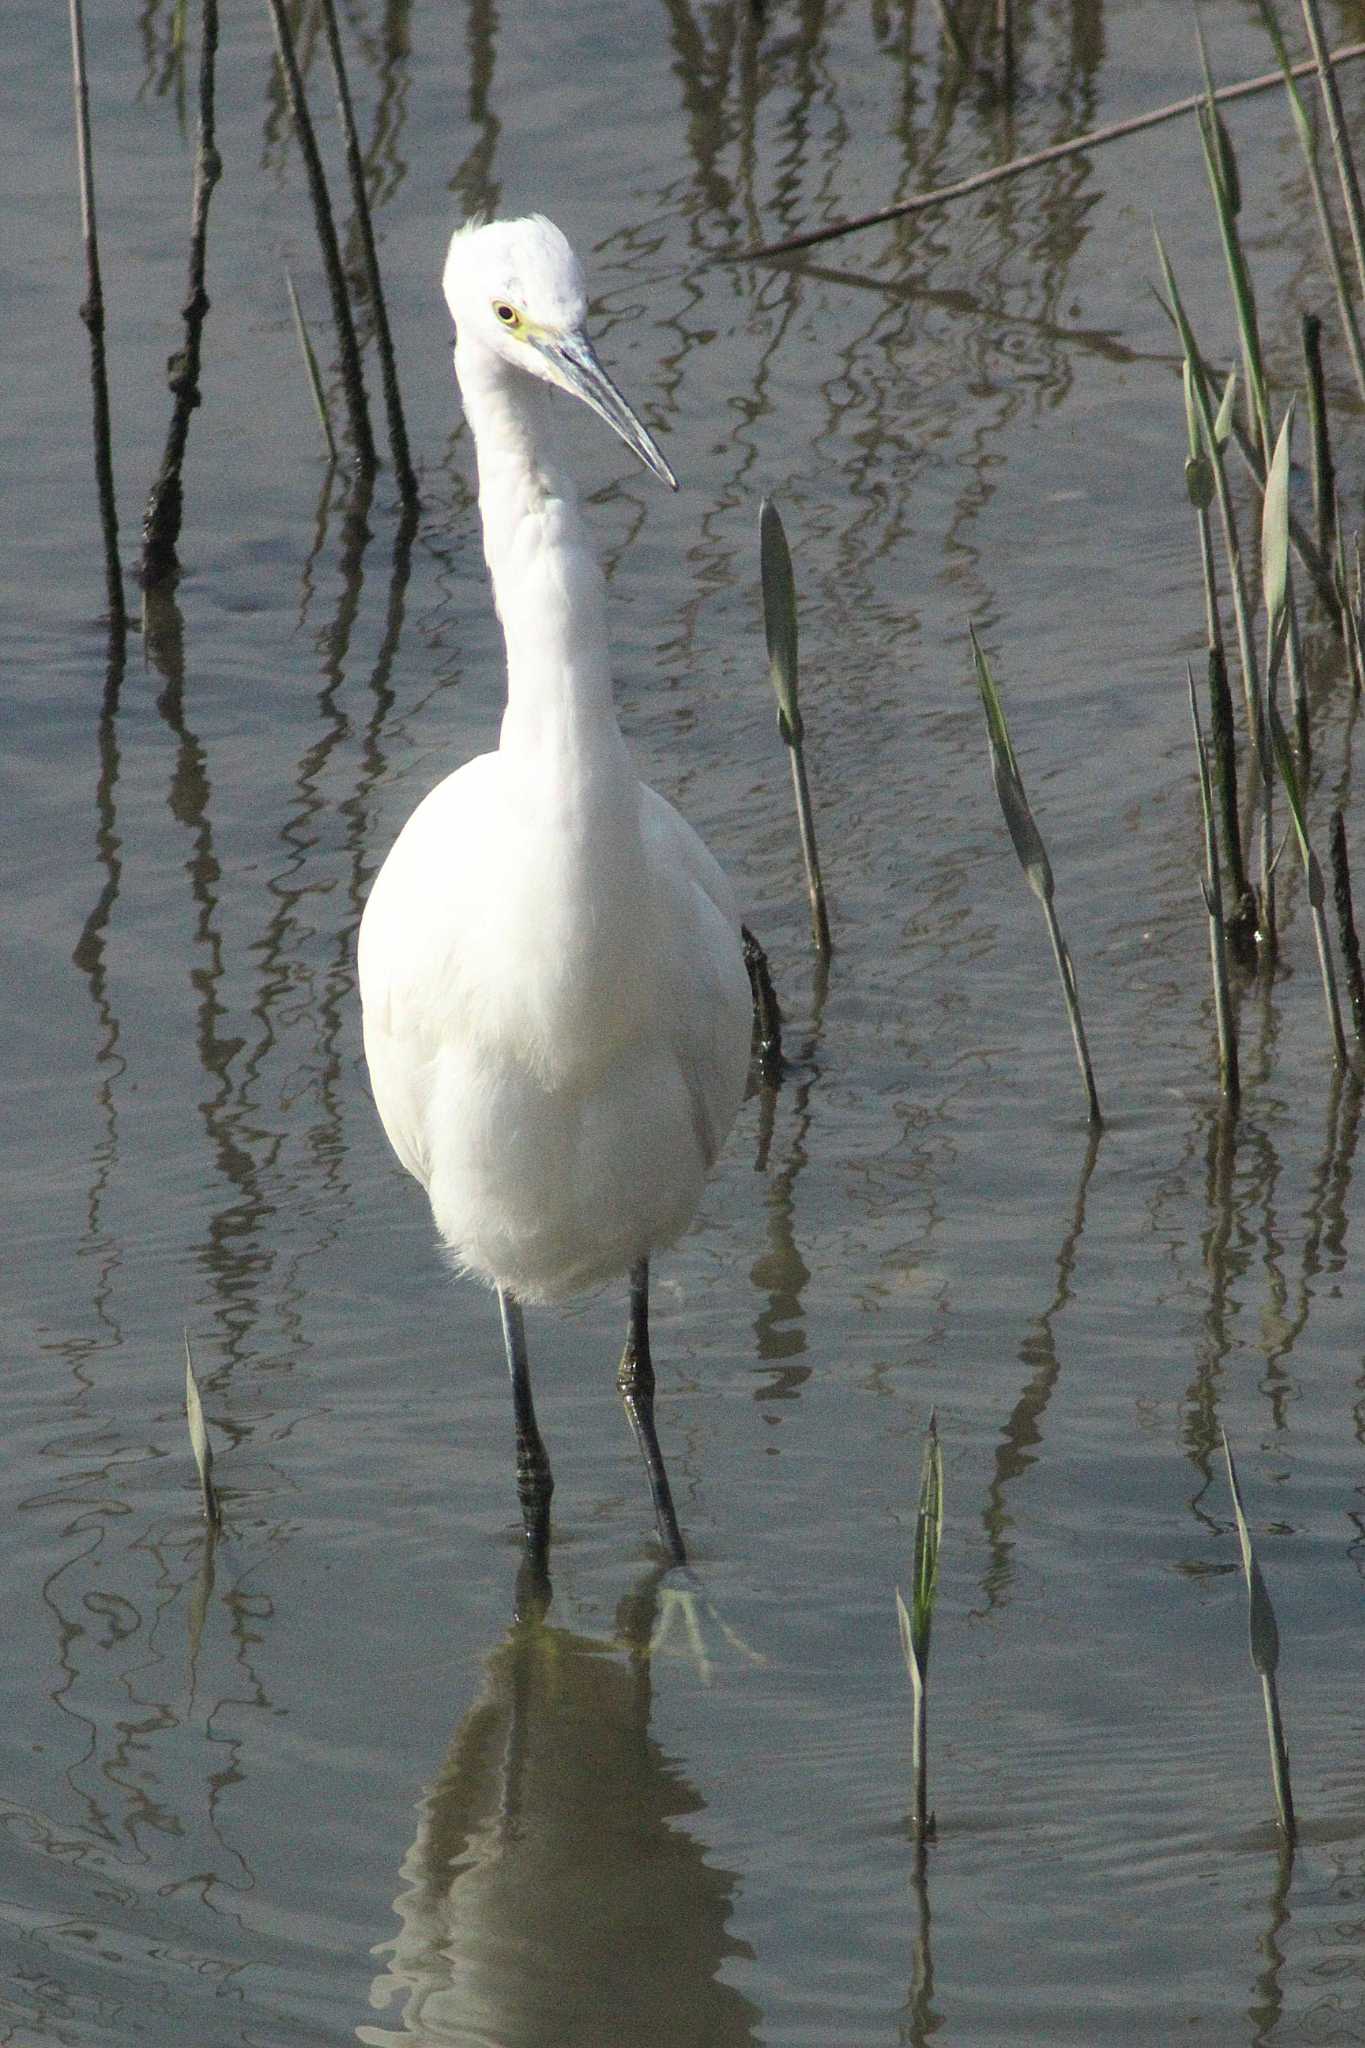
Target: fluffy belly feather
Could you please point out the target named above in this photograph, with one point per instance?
(548, 1190)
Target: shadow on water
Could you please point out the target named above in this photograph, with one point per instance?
(556, 1888)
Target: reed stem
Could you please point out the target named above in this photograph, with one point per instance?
(1346, 925)
(1229, 1071)
(393, 404)
(352, 379)
(1324, 475)
(165, 503)
(92, 314)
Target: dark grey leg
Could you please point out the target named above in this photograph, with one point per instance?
(636, 1381)
(535, 1482)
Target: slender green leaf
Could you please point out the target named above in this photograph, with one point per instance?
(1225, 158)
(1264, 1636)
(1275, 525)
(928, 1539)
(1263, 1633)
(916, 1620)
(1239, 275)
(1289, 775)
(779, 618)
(1199, 482)
(310, 364)
(908, 1640)
(1307, 135)
(779, 624)
(199, 1440)
(1009, 788)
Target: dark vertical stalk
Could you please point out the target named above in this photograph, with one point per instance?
(165, 504)
(1346, 925)
(393, 404)
(92, 313)
(1229, 1070)
(1324, 476)
(1241, 925)
(352, 381)
(1298, 685)
(1004, 30)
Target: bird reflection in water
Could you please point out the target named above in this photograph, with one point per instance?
(552, 1893)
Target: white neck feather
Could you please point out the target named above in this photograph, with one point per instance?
(547, 584)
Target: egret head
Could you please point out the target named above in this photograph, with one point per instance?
(516, 288)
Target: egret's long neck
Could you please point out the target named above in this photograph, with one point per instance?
(549, 589)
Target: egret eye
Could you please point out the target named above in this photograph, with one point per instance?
(508, 315)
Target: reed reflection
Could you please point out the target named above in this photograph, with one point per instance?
(473, 182)
(89, 957)
(1022, 1433)
(1247, 1234)
(157, 1631)
(552, 1891)
(920, 2019)
(1268, 1997)
(781, 1272)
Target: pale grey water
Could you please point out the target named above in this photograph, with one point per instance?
(315, 1786)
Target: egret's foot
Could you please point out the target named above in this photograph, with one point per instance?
(686, 1611)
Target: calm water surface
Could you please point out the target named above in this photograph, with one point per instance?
(317, 1783)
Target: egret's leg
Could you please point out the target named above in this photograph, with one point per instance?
(535, 1482)
(636, 1381)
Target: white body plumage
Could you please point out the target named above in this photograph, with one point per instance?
(556, 1008)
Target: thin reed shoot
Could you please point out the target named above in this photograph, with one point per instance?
(199, 1443)
(1229, 1071)
(1264, 1638)
(1033, 858)
(916, 1620)
(779, 622)
(310, 364)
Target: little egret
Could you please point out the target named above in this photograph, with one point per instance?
(556, 1005)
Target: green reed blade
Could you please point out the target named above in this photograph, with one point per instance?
(1210, 424)
(916, 1621)
(1239, 276)
(1275, 527)
(1032, 856)
(310, 364)
(1331, 241)
(1226, 157)
(1339, 133)
(779, 625)
(928, 1541)
(199, 1442)
(1009, 787)
(1264, 1640)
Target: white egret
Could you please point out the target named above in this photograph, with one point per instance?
(556, 1006)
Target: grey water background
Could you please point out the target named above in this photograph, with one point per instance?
(314, 1784)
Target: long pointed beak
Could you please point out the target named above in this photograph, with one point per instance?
(576, 367)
